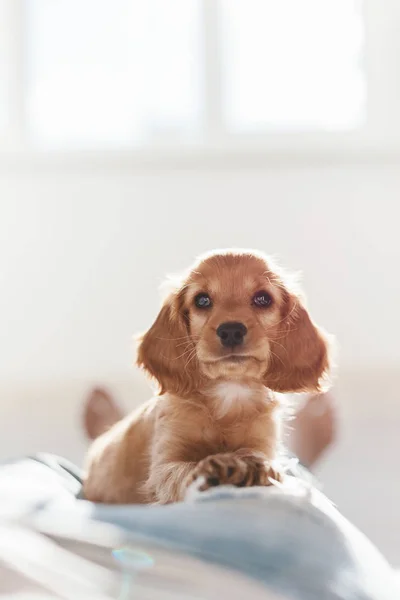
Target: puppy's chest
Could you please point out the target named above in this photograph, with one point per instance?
(239, 418)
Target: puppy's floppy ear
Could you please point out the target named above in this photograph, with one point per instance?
(299, 359)
(167, 352)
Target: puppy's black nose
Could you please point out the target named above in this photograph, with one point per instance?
(231, 334)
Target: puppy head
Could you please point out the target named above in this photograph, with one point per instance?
(234, 317)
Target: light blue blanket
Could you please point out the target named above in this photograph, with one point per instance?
(289, 538)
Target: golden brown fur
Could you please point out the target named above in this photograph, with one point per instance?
(216, 415)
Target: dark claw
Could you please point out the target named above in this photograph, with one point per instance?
(213, 481)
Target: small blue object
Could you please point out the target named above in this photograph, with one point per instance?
(132, 561)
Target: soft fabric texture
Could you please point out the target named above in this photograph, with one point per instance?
(289, 540)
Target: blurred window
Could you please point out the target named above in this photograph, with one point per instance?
(113, 72)
(136, 73)
(292, 65)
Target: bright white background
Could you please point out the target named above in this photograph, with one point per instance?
(85, 240)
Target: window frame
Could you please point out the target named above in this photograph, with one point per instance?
(379, 137)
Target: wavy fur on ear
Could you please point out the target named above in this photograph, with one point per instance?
(300, 359)
(167, 353)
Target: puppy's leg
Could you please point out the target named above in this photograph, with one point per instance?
(117, 463)
(242, 469)
(168, 481)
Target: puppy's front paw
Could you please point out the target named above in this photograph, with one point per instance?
(230, 469)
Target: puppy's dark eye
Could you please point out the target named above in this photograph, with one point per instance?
(202, 301)
(262, 299)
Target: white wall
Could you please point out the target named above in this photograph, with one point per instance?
(82, 253)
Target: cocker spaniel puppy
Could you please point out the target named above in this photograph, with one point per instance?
(231, 333)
